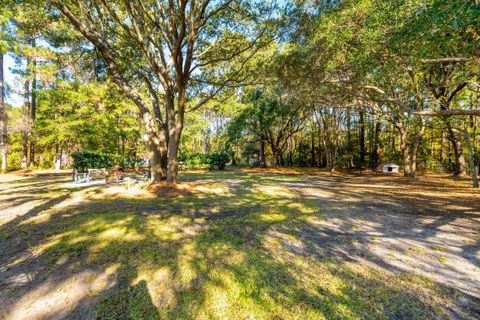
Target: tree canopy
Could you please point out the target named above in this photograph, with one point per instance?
(336, 84)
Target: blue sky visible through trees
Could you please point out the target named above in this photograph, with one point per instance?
(13, 96)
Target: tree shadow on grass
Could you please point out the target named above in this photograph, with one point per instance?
(246, 253)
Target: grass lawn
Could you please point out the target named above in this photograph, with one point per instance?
(254, 244)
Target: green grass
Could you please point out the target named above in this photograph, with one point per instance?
(436, 248)
(417, 249)
(240, 254)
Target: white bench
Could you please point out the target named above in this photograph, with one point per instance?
(85, 177)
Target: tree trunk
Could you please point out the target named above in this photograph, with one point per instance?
(26, 116)
(460, 165)
(57, 159)
(33, 107)
(394, 146)
(362, 138)
(471, 159)
(312, 151)
(407, 169)
(349, 143)
(376, 148)
(172, 165)
(31, 160)
(175, 127)
(156, 165)
(290, 152)
(413, 160)
(276, 155)
(156, 142)
(442, 150)
(263, 162)
(3, 118)
(327, 153)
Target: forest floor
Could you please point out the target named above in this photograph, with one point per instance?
(244, 244)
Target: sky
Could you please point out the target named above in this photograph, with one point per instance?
(15, 86)
(12, 83)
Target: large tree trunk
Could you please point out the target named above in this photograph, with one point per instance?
(454, 137)
(3, 118)
(414, 148)
(407, 169)
(156, 164)
(172, 166)
(156, 142)
(410, 148)
(276, 155)
(175, 127)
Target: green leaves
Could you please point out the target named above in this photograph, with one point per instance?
(90, 116)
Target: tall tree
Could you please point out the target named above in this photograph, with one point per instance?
(175, 48)
(3, 118)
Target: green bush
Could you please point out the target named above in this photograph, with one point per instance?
(196, 161)
(91, 160)
(131, 162)
(218, 160)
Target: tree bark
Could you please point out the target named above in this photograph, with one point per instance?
(156, 142)
(414, 147)
(407, 169)
(442, 150)
(175, 127)
(263, 162)
(33, 107)
(313, 151)
(3, 118)
(362, 138)
(26, 115)
(376, 147)
(349, 142)
(471, 158)
(57, 159)
(454, 137)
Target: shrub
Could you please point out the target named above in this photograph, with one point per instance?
(131, 162)
(90, 160)
(194, 161)
(198, 161)
(219, 160)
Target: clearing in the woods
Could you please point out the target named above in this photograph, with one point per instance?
(241, 245)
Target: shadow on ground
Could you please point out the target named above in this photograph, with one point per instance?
(253, 245)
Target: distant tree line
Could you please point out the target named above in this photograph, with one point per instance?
(332, 84)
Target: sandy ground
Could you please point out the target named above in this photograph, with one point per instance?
(428, 226)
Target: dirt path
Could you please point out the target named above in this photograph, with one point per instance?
(399, 226)
(429, 226)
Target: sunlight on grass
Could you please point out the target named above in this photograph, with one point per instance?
(272, 217)
(276, 191)
(119, 234)
(239, 255)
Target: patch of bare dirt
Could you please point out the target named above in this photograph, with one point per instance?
(176, 190)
